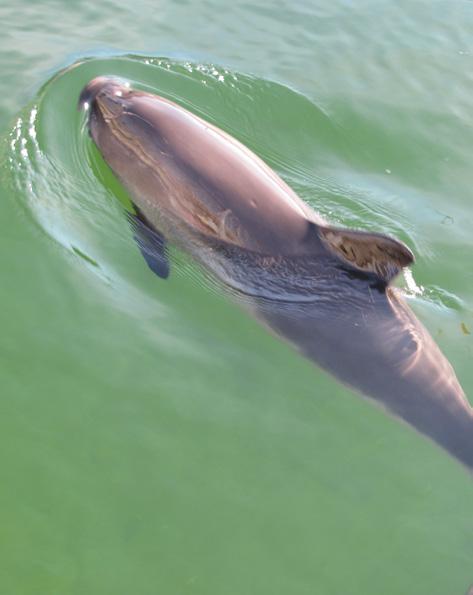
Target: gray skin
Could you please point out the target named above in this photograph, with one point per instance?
(324, 289)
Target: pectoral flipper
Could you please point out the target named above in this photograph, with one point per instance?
(151, 243)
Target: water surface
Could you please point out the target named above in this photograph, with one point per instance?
(155, 439)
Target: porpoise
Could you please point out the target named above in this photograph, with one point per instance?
(325, 289)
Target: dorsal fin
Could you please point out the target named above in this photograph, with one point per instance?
(368, 252)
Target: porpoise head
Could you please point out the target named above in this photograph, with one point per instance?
(128, 134)
(104, 99)
(106, 91)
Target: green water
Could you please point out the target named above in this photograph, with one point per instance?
(154, 438)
